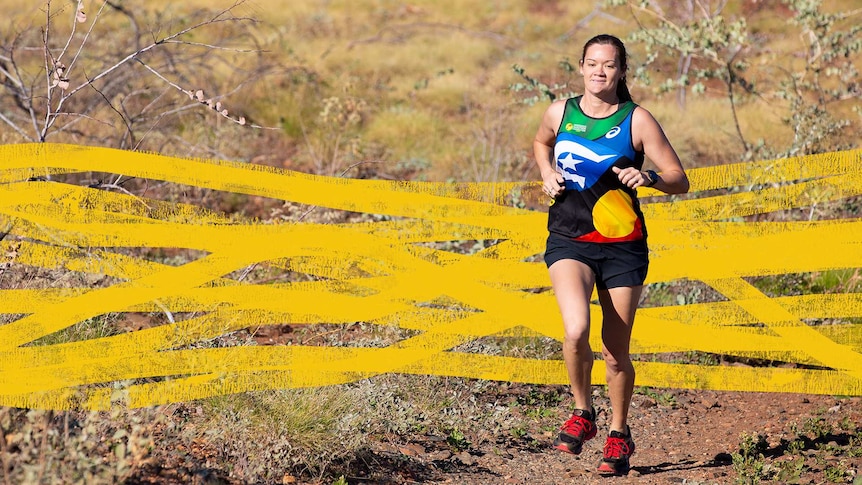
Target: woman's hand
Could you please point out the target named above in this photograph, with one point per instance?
(631, 177)
(552, 183)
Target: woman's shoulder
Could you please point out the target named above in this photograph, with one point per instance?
(554, 111)
(642, 115)
(559, 103)
(644, 126)
(558, 106)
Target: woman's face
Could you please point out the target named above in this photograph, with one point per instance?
(601, 69)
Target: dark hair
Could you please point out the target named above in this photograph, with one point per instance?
(607, 39)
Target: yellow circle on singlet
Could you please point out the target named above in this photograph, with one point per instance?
(613, 215)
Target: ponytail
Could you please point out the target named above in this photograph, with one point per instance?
(623, 91)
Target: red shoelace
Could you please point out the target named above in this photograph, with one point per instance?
(577, 426)
(616, 448)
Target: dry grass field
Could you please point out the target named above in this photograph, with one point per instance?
(415, 90)
(425, 91)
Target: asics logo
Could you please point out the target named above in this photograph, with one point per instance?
(614, 132)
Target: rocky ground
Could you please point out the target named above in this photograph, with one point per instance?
(682, 437)
(688, 440)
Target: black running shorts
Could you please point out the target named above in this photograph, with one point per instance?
(614, 264)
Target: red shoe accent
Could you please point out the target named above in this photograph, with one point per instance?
(576, 431)
(618, 449)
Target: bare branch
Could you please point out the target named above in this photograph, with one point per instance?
(731, 96)
(165, 310)
(313, 208)
(703, 10)
(122, 189)
(125, 121)
(207, 149)
(655, 14)
(851, 13)
(17, 82)
(213, 47)
(16, 128)
(209, 102)
(246, 271)
(77, 117)
(149, 105)
(597, 12)
(174, 111)
(69, 40)
(119, 7)
(86, 36)
(48, 71)
(54, 107)
(144, 136)
(22, 96)
(216, 108)
(217, 18)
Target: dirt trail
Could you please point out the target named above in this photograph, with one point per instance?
(690, 442)
(682, 437)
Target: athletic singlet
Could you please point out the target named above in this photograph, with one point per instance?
(595, 206)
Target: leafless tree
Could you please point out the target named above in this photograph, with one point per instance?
(105, 79)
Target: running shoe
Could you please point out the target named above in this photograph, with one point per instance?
(618, 448)
(577, 430)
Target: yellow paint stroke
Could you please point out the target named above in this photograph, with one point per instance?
(396, 273)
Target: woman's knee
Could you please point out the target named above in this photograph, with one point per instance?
(577, 335)
(617, 359)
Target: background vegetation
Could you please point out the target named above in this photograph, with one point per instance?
(438, 91)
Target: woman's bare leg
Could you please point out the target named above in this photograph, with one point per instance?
(618, 309)
(573, 285)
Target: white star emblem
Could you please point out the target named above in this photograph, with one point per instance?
(569, 161)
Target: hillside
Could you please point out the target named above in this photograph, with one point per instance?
(426, 91)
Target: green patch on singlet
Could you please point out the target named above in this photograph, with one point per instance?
(577, 123)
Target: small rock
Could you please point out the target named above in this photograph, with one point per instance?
(387, 448)
(439, 455)
(466, 458)
(412, 449)
(577, 473)
(723, 459)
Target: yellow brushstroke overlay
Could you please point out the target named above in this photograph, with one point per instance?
(394, 273)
